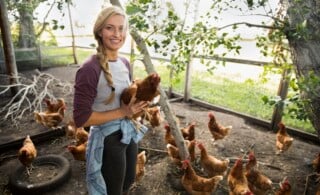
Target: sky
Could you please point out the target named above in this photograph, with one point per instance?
(84, 14)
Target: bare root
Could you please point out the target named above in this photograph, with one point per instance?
(30, 94)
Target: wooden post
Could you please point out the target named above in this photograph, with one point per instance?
(278, 109)
(39, 55)
(9, 55)
(72, 35)
(188, 80)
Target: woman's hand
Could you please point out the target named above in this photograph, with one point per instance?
(133, 107)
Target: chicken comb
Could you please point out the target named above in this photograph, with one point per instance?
(251, 155)
(200, 145)
(167, 127)
(210, 114)
(281, 125)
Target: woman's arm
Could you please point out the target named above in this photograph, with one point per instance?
(98, 118)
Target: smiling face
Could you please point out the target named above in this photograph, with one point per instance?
(113, 33)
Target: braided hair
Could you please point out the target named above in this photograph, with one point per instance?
(104, 15)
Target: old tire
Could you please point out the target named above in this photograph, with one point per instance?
(20, 186)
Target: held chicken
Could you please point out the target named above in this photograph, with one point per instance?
(188, 132)
(258, 182)
(195, 184)
(144, 90)
(53, 106)
(50, 120)
(283, 139)
(27, 153)
(237, 181)
(140, 165)
(212, 165)
(78, 152)
(285, 188)
(217, 130)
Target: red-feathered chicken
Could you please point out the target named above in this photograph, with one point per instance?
(78, 152)
(140, 165)
(152, 114)
(212, 165)
(195, 184)
(188, 132)
(217, 130)
(27, 153)
(258, 182)
(284, 140)
(316, 163)
(70, 130)
(173, 153)
(285, 188)
(192, 149)
(81, 135)
(54, 105)
(50, 120)
(144, 90)
(168, 137)
(237, 181)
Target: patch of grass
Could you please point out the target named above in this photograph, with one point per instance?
(244, 97)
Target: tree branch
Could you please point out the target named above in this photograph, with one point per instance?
(249, 25)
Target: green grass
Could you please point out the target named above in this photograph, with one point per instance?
(244, 97)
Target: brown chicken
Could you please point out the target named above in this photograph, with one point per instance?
(144, 90)
(188, 132)
(78, 152)
(192, 150)
(212, 165)
(237, 181)
(50, 120)
(217, 130)
(258, 182)
(316, 163)
(81, 136)
(168, 137)
(27, 153)
(152, 114)
(285, 188)
(284, 140)
(70, 130)
(140, 165)
(173, 153)
(53, 106)
(195, 184)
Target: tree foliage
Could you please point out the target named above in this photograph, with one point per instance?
(167, 33)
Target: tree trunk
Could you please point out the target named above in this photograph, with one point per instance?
(305, 51)
(164, 103)
(10, 59)
(27, 36)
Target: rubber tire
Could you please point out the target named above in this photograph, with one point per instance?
(62, 164)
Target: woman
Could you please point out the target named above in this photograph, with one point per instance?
(112, 146)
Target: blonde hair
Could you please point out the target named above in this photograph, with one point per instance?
(104, 15)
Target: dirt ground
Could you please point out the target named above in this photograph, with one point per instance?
(161, 176)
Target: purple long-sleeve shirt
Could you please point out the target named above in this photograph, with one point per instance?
(91, 88)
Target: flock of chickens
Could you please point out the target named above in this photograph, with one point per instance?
(242, 178)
